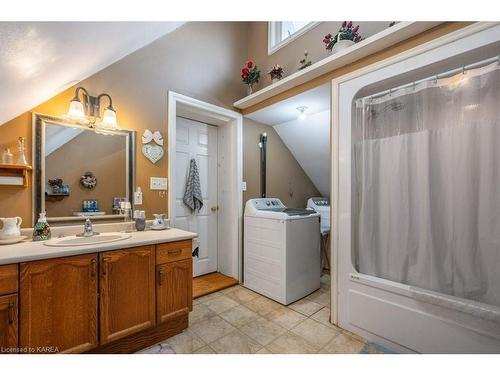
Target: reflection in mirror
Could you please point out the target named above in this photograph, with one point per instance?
(86, 173)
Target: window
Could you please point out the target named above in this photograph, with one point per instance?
(283, 32)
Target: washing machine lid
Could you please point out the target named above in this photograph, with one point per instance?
(293, 211)
(274, 208)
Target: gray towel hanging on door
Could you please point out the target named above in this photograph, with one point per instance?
(192, 195)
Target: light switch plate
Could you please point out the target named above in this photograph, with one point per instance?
(158, 183)
(244, 185)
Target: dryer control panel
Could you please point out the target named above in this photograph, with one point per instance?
(320, 201)
(267, 203)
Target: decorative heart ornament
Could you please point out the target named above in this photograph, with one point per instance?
(152, 152)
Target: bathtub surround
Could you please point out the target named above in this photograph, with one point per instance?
(447, 324)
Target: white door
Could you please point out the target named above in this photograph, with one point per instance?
(196, 140)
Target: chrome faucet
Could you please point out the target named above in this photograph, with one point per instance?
(88, 231)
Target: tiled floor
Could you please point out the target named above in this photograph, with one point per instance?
(237, 320)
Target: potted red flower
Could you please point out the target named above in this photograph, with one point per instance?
(250, 74)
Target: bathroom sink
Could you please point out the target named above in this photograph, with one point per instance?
(82, 241)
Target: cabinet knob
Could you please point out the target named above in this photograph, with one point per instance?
(93, 268)
(105, 265)
(11, 313)
(214, 209)
(161, 272)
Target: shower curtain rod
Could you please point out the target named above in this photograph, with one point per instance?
(447, 74)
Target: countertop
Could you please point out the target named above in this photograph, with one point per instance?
(28, 250)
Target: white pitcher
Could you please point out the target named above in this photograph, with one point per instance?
(11, 227)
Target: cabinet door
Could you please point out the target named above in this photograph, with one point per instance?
(174, 291)
(58, 304)
(8, 323)
(127, 292)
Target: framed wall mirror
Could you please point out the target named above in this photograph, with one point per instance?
(80, 171)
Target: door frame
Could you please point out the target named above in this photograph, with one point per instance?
(338, 217)
(230, 160)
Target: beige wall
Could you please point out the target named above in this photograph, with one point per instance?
(290, 55)
(200, 59)
(107, 161)
(286, 180)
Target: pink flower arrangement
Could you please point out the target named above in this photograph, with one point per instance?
(346, 32)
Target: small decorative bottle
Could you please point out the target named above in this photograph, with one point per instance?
(41, 231)
(7, 157)
(21, 159)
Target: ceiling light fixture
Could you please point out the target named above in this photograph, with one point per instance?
(302, 110)
(90, 110)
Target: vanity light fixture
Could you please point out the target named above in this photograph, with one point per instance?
(302, 110)
(90, 110)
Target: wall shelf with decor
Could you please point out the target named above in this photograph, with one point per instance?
(55, 197)
(15, 174)
(375, 43)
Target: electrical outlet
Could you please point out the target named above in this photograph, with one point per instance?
(158, 183)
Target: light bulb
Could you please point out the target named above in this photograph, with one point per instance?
(76, 110)
(302, 110)
(109, 119)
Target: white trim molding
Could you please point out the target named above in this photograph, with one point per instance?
(231, 204)
(271, 35)
(377, 42)
(462, 332)
(334, 133)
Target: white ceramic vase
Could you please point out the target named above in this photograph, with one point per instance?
(11, 227)
(342, 45)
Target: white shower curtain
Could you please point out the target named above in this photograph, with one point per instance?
(426, 186)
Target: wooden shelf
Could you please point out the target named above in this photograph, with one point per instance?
(384, 39)
(15, 174)
(55, 197)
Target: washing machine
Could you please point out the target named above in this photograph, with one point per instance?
(281, 250)
(322, 206)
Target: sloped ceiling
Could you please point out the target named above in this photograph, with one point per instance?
(308, 140)
(41, 59)
(316, 100)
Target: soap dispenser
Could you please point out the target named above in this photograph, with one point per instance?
(41, 231)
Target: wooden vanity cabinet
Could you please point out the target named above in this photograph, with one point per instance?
(127, 292)
(113, 302)
(174, 280)
(8, 324)
(58, 305)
